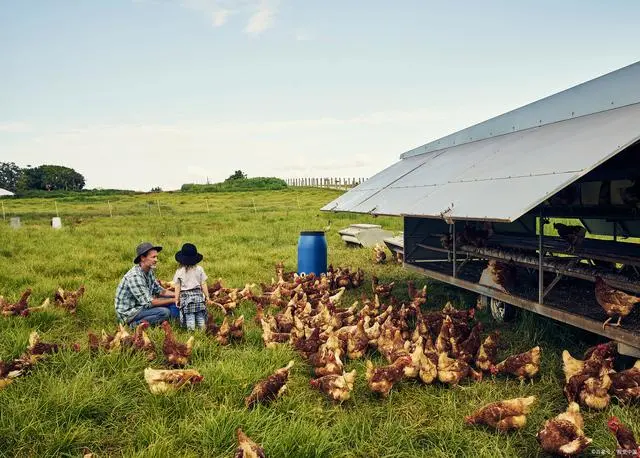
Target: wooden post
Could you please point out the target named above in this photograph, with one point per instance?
(110, 209)
(159, 211)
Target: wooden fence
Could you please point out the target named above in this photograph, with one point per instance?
(333, 182)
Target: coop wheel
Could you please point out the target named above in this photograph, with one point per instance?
(501, 311)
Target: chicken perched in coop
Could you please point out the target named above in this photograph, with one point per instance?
(588, 381)
(166, 380)
(627, 444)
(625, 385)
(503, 415)
(270, 388)
(499, 275)
(475, 237)
(337, 386)
(68, 299)
(247, 448)
(573, 235)
(563, 434)
(488, 352)
(382, 379)
(524, 365)
(614, 302)
(382, 290)
(177, 354)
(379, 255)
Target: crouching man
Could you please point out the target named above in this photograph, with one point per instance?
(139, 296)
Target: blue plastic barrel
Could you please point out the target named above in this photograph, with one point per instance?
(312, 253)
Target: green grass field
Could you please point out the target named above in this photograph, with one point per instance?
(73, 400)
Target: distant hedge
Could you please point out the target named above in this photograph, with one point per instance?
(73, 194)
(243, 184)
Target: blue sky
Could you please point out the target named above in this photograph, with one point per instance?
(141, 93)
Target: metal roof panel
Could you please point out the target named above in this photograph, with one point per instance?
(498, 178)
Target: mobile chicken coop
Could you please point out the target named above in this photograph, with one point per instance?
(572, 156)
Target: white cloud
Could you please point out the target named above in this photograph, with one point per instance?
(261, 13)
(14, 127)
(220, 17)
(260, 21)
(142, 156)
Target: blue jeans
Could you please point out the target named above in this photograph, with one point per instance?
(194, 320)
(153, 315)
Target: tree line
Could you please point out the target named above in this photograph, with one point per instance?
(44, 177)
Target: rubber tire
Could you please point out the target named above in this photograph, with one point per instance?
(501, 311)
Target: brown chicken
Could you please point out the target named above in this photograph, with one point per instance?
(141, 341)
(68, 299)
(587, 381)
(379, 255)
(337, 386)
(382, 379)
(22, 306)
(627, 443)
(524, 365)
(163, 380)
(573, 235)
(499, 275)
(473, 236)
(452, 371)
(626, 384)
(271, 338)
(381, 289)
(177, 354)
(488, 352)
(246, 447)
(503, 415)
(614, 302)
(563, 434)
(270, 388)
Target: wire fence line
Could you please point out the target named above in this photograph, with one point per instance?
(159, 207)
(326, 182)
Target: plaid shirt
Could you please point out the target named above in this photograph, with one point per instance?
(192, 301)
(135, 292)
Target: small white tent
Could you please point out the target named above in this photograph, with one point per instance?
(4, 192)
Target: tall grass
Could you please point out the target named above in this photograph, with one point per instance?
(74, 400)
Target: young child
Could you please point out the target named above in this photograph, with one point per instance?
(192, 294)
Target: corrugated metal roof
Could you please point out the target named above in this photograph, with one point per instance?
(498, 178)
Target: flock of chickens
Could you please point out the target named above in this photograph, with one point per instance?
(304, 312)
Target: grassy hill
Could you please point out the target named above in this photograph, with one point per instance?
(74, 400)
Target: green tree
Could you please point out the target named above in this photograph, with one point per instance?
(237, 175)
(9, 176)
(50, 178)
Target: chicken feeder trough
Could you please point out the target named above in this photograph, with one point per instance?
(366, 235)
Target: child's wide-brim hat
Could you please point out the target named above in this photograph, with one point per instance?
(188, 255)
